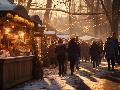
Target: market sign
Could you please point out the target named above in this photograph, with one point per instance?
(20, 19)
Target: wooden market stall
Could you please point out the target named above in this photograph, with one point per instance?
(16, 54)
(38, 34)
(38, 45)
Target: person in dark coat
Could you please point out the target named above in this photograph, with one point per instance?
(94, 53)
(61, 56)
(116, 46)
(100, 43)
(73, 53)
(119, 54)
(78, 60)
(51, 55)
(110, 52)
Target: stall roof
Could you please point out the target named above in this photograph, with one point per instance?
(87, 37)
(36, 18)
(15, 8)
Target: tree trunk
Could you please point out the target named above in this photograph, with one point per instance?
(106, 12)
(47, 13)
(108, 6)
(115, 16)
(96, 18)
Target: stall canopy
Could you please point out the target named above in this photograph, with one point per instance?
(63, 36)
(14, 8)
(86, 37)
(49, 32)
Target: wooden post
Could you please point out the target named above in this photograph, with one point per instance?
(37, 67)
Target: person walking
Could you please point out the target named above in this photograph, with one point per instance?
(79, 57)
(94, 53)
(110, 53)
(119, 54)
(100, 43)
(73, 53)
(87, 52)
(116, 46)
(61, 56)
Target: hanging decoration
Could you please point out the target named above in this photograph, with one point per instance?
(20, 19)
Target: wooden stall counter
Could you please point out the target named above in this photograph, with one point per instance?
(15, 70)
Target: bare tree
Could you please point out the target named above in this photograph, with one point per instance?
(106, 11)
(108, 5)
(47, 13)
(28, 5)
(115, 16)
(96, 18)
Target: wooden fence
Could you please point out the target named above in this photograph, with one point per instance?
(14, 70)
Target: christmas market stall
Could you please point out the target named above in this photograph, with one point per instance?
(38, 34)
(38, 47)
(16, 52)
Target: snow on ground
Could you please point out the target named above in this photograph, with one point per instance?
(96, 78)
(86, 78)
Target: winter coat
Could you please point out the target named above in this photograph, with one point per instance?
(116, 46)
(119, 51)
(110, 49)
(83, 52)
(73, 51)
(60, 51)
(94, 50)
(51, 51)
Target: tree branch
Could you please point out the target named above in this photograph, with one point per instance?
(67, 11)
(106, 12)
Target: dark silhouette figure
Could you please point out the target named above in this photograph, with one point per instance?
(73, 53)
(61, 56)
(116, 46)
(119, 54)
(110, 52)
(95, 53)
(79, 57)
(100, 43)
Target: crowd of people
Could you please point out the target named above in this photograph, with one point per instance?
(75, 51)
